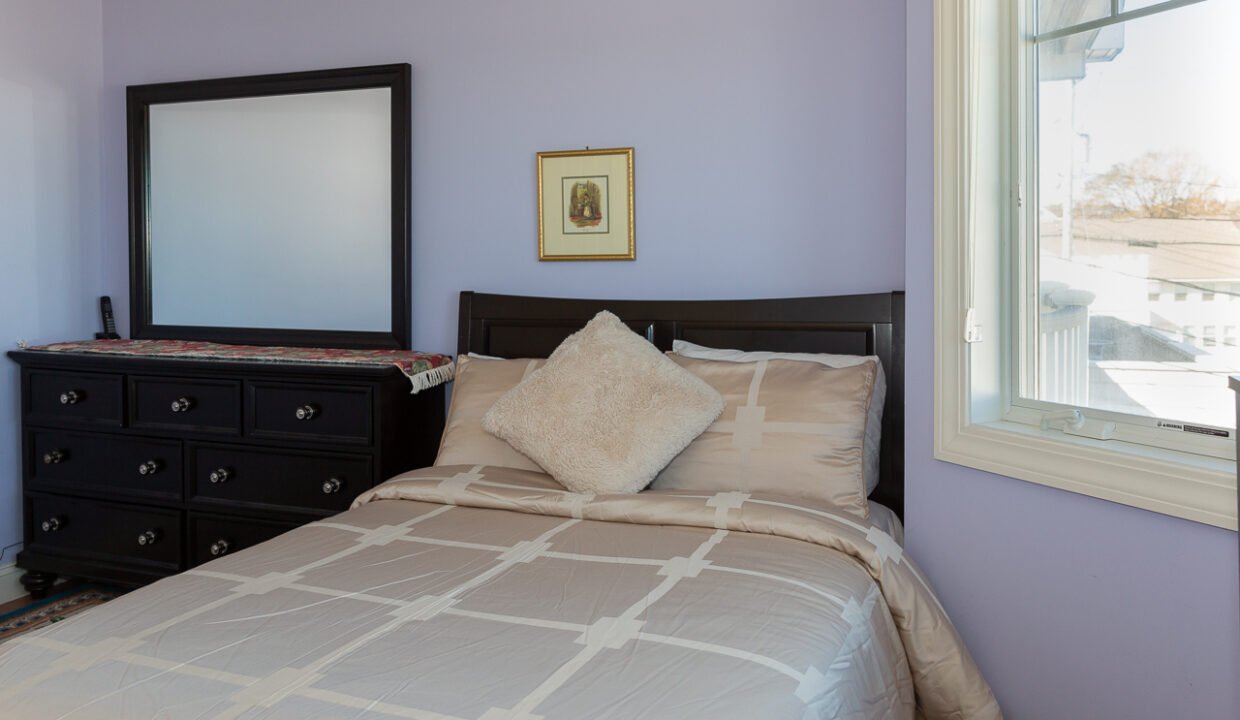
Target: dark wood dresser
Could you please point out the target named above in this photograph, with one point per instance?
(135, 468)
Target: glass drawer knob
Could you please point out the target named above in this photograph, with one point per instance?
(332, 485)
(220, 475)
(148, 538)
(150, 467)
(51, 524)
(182, 404)
(54, 457)
(306, 412)
(219, 547)
(70, 397)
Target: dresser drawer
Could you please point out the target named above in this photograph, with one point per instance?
(111, 464)
(211, 537)
(330, 413)
(67, 397)
(314, 482)
(205, 406)
(73, 526)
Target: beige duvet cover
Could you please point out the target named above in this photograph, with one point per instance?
(492, 594)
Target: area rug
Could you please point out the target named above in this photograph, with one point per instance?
(53, 609)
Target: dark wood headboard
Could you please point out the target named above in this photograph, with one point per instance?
(514, 326)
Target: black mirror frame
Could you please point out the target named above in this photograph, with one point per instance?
(139, 98)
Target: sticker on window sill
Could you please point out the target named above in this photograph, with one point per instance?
(1194, 429)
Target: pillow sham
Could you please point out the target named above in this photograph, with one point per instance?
(606, 412)
(874, 419)
(479, 382)
(792, 428)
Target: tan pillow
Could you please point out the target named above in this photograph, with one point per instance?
(791, 428)
(874, 421)
(607, 411)
(478, 384)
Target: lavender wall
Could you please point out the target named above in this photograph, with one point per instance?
(771, 147)
(50, 80)
(769, 136)
(1074, 607)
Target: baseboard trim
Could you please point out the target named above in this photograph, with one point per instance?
(10, 587)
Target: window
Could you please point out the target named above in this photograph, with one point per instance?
(1129, 192)
(1087, 168)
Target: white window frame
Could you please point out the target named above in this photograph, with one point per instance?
(974, 379)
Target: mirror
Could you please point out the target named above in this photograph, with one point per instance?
(272, 209)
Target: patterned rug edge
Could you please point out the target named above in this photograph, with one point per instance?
(53, 609)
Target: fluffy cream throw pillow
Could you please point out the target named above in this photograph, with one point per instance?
(607, 412)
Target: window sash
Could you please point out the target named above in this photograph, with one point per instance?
(1113, 17)
(1021, 404)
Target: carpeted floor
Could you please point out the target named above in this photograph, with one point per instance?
(53, 608)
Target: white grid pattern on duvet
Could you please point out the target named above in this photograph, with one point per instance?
(604, 633)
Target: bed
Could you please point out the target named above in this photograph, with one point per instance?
(492, 593)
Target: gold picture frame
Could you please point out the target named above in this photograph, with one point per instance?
(585, 205)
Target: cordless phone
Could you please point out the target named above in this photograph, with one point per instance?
(109, 322)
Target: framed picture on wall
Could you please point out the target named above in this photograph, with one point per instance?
(585, 205)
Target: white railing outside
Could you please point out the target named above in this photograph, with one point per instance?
(1063, 347)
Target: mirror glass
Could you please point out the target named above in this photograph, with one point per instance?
(272, 209)
(272, 212)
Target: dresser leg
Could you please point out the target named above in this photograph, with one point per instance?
(38, 583)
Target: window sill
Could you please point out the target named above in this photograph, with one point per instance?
(1193, 487)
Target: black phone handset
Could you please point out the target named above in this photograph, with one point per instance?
(109, 321)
